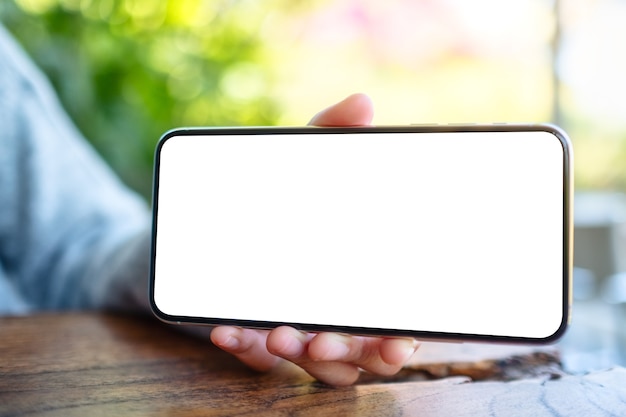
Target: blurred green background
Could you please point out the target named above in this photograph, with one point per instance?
(128, 70)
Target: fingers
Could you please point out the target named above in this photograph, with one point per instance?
(337, 359)
(332, 358)
(292, 345)
(382, 356)
(248, 345)
(355, 110)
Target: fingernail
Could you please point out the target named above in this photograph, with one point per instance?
(232, 343)
(230, 338)
(411, 348)
(294, 345)
(337, 347)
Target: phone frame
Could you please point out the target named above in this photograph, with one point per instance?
(424, 335)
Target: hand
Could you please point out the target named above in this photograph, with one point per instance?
(332, 358)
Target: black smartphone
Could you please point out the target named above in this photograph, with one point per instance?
(436, 232)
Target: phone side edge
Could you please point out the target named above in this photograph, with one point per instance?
(153, 238)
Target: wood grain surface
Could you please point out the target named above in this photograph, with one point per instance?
(90, 365)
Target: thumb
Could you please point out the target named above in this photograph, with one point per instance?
(355, 110)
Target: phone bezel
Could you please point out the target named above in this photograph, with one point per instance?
(428, 335)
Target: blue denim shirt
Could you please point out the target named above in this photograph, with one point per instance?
(71, 235)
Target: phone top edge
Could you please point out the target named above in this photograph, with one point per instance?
(418, 128)
(557, 131)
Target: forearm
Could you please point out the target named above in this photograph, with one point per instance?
(70, 232)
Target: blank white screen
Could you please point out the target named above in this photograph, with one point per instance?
(440, 232)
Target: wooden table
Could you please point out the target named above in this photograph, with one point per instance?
(87, 364)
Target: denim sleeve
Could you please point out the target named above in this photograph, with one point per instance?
(71, 234)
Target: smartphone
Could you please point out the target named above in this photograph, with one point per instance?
(435, 232)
